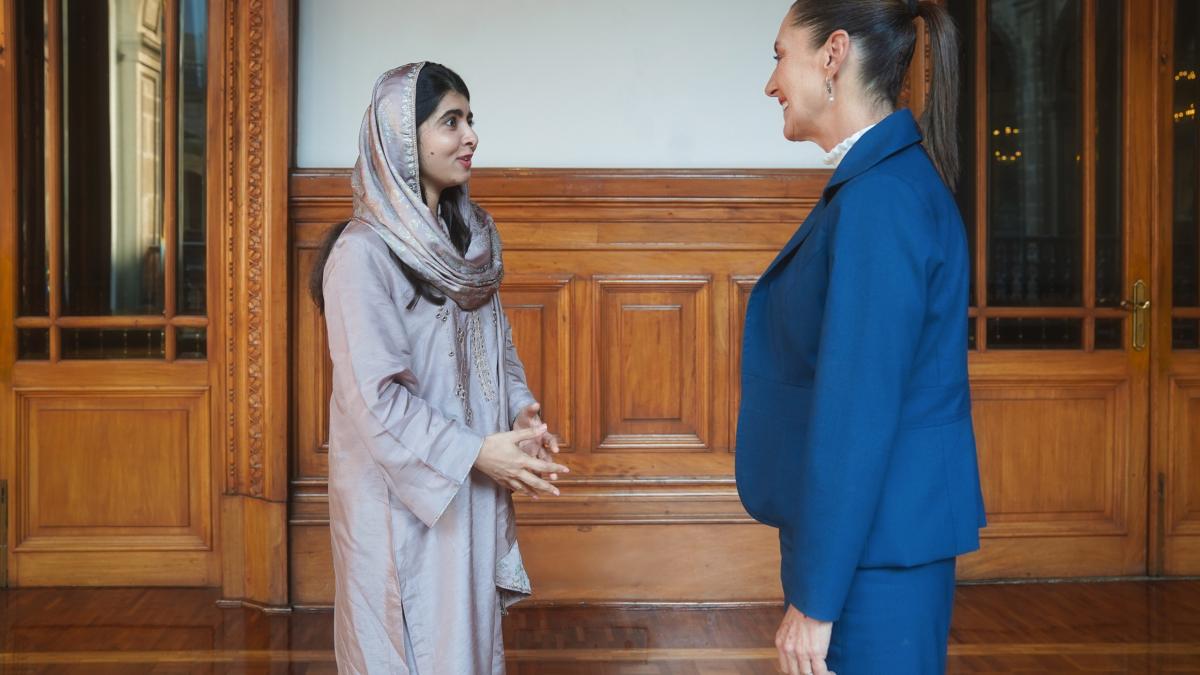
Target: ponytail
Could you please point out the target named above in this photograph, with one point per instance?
(939, 122)
(885, 31)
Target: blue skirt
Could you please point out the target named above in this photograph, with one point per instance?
(896, 621)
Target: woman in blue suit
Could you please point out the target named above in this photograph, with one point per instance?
(854, 436)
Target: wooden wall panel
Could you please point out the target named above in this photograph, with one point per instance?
(312, 375)
(113, 486)
(740, 288)
(310, 563)
(677, 561)
(603, 541)
(94, 466)
(654, 363)
(1050, 457)
(627, 291)
(1178, 476)
(1063, 463)
(539, 311)
(1183, 510)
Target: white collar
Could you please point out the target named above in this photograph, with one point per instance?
(834, 156)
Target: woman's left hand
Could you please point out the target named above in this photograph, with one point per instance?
(803, 643)
(544, 448)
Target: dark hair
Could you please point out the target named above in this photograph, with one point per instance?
(433, 83)
(885, 32)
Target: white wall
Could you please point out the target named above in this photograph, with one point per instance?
(560, 83)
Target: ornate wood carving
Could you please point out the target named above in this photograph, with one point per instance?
(256, 83)
(228, 227)
(255, 163)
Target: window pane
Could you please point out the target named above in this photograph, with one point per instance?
(191, 343)
(33, 344)
(33, 267)
(193, 74)
(1035, 333)
(1034, 129)
(1186, 147)
(112, 157)
(1185, 334)
(1110, 95)
(106, 343)
(1110, 333)
(972, 343)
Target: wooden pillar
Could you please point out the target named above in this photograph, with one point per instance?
(253, 89)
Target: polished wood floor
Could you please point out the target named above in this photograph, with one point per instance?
(1118, 627)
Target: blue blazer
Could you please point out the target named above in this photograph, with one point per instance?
(854, 435)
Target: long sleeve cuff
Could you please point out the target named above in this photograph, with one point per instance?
(427, 487)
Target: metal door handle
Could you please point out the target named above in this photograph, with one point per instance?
(1140, 307)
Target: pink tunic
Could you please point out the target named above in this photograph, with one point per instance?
(424, 547)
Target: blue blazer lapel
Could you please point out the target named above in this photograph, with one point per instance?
(798, 237)
(893, 134)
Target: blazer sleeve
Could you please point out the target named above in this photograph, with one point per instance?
(519, 395)
(425, 456)
(873, 316)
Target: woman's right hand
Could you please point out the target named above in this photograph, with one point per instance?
(502, 460)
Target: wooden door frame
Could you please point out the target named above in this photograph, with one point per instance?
(8, 267)
(1139, 154)
(1174, 551)
(1160, 329)
(1124, 376)
(249, 153)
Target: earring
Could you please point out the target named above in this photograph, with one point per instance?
(829, 88)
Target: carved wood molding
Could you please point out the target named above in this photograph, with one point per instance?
(256, 127)
(254, 179)
(251, 86)
(314, 186)
(229, 232)
(712, 502)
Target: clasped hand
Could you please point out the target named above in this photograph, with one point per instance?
(521, 459)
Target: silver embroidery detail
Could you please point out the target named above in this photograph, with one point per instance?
(408, 119)
(462, 369)
(479, 351)
(471, 352)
